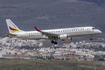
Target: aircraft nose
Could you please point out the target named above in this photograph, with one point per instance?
(100, 31)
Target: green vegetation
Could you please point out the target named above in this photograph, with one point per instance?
(47, 65)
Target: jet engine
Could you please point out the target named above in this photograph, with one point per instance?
(65, 37)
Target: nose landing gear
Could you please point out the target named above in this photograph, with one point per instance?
(91, 38)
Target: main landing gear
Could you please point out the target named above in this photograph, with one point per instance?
(53, 42)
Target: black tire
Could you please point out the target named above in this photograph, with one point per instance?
(55, 42)
(52, 41)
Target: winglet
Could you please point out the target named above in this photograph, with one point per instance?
(36, 29)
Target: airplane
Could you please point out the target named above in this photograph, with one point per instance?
(65, 34)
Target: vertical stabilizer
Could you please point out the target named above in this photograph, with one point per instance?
(12, 27)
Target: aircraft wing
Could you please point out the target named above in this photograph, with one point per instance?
(50, 35)
(9, 34)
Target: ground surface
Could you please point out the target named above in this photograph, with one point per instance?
(47, 65)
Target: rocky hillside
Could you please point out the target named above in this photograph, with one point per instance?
(95, 1)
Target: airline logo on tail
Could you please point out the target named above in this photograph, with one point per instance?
(13, 30)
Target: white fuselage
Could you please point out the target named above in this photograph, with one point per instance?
(71, 32)
(64, 34)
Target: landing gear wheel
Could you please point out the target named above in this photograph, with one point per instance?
(91, 39)
(53, 42)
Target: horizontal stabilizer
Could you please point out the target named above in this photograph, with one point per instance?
(9, 34)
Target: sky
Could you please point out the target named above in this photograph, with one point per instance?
(50, 14)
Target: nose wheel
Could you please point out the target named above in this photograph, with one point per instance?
(91, 38)
(53, 42)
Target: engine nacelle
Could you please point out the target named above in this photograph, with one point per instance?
(65, 37)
